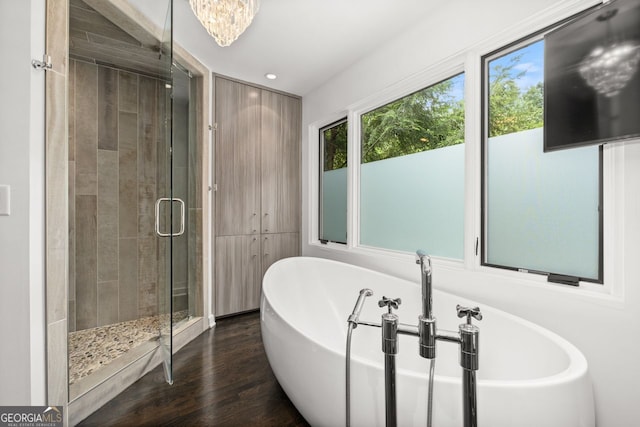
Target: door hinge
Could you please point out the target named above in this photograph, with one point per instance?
(214, 187)
(213, 127)
(477, 245)
(45, 64)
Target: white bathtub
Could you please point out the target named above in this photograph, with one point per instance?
(528, 376)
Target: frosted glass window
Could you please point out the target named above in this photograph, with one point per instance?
(412, 172)
(542, 210)
(333, 183)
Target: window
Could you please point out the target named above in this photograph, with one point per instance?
(541, 211)
(412, 172)
(333, 183)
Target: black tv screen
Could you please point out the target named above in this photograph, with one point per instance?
(592, 81)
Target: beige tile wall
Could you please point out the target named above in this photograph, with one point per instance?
(57, 192)
(115, 129)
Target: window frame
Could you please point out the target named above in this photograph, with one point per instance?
(482, 245)
(439, 72)
(442, 75)
(321, 147)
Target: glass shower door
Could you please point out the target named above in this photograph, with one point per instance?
(184, 195)
(169, 213)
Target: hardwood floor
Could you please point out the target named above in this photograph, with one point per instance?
(222, 378)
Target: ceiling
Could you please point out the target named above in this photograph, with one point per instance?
(304, 42)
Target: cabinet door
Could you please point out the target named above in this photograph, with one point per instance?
(278, 246)
(237, 151)
(280, 163)
(238, 277)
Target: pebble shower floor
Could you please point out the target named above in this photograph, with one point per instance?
(91, 349)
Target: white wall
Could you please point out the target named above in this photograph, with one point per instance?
(602, 321)
(22, 359)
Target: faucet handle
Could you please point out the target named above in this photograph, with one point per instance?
(390, 303)
(469, 312)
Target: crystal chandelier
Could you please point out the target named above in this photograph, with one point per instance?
(225, 20)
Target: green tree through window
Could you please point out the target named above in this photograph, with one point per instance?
(512, 108)
(425, 120)
(335, 146)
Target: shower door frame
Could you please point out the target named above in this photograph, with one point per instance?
(165, 194)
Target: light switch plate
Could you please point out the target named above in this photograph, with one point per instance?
(5, 200)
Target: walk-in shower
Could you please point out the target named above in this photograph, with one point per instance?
(133, 196)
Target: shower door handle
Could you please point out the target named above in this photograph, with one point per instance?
(170, 200)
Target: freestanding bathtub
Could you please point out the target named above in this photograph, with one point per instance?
(528, 376)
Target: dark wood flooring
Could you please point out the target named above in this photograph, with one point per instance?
(222, 378)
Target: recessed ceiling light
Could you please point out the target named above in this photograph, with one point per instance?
(271, 76)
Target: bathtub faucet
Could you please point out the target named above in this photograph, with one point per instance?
(425, 268)
(426, 321)
(390, 349)
(355, 314)
(469, 362)
(467, 338)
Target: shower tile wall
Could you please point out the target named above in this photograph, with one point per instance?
(114, 131)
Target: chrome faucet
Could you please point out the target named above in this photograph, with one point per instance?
(469, 334)
(426, 322)
(390, 349)
(425, 268)
(466, 337)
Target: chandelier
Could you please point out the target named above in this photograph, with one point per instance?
(225, 20)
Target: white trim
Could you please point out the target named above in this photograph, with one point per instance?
(36, 233)
(472, 158)
(439, 71)
(210, 294)
(613, 189)
(536, 22)
(353, 181)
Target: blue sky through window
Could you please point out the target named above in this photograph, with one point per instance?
(531, 61)
(457, 89)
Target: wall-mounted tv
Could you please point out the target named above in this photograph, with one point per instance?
(592, 77)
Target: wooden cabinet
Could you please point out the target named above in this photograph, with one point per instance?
(238, 272)
(278, 246)
(257, 174)
(237, 151)
(280, 157)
